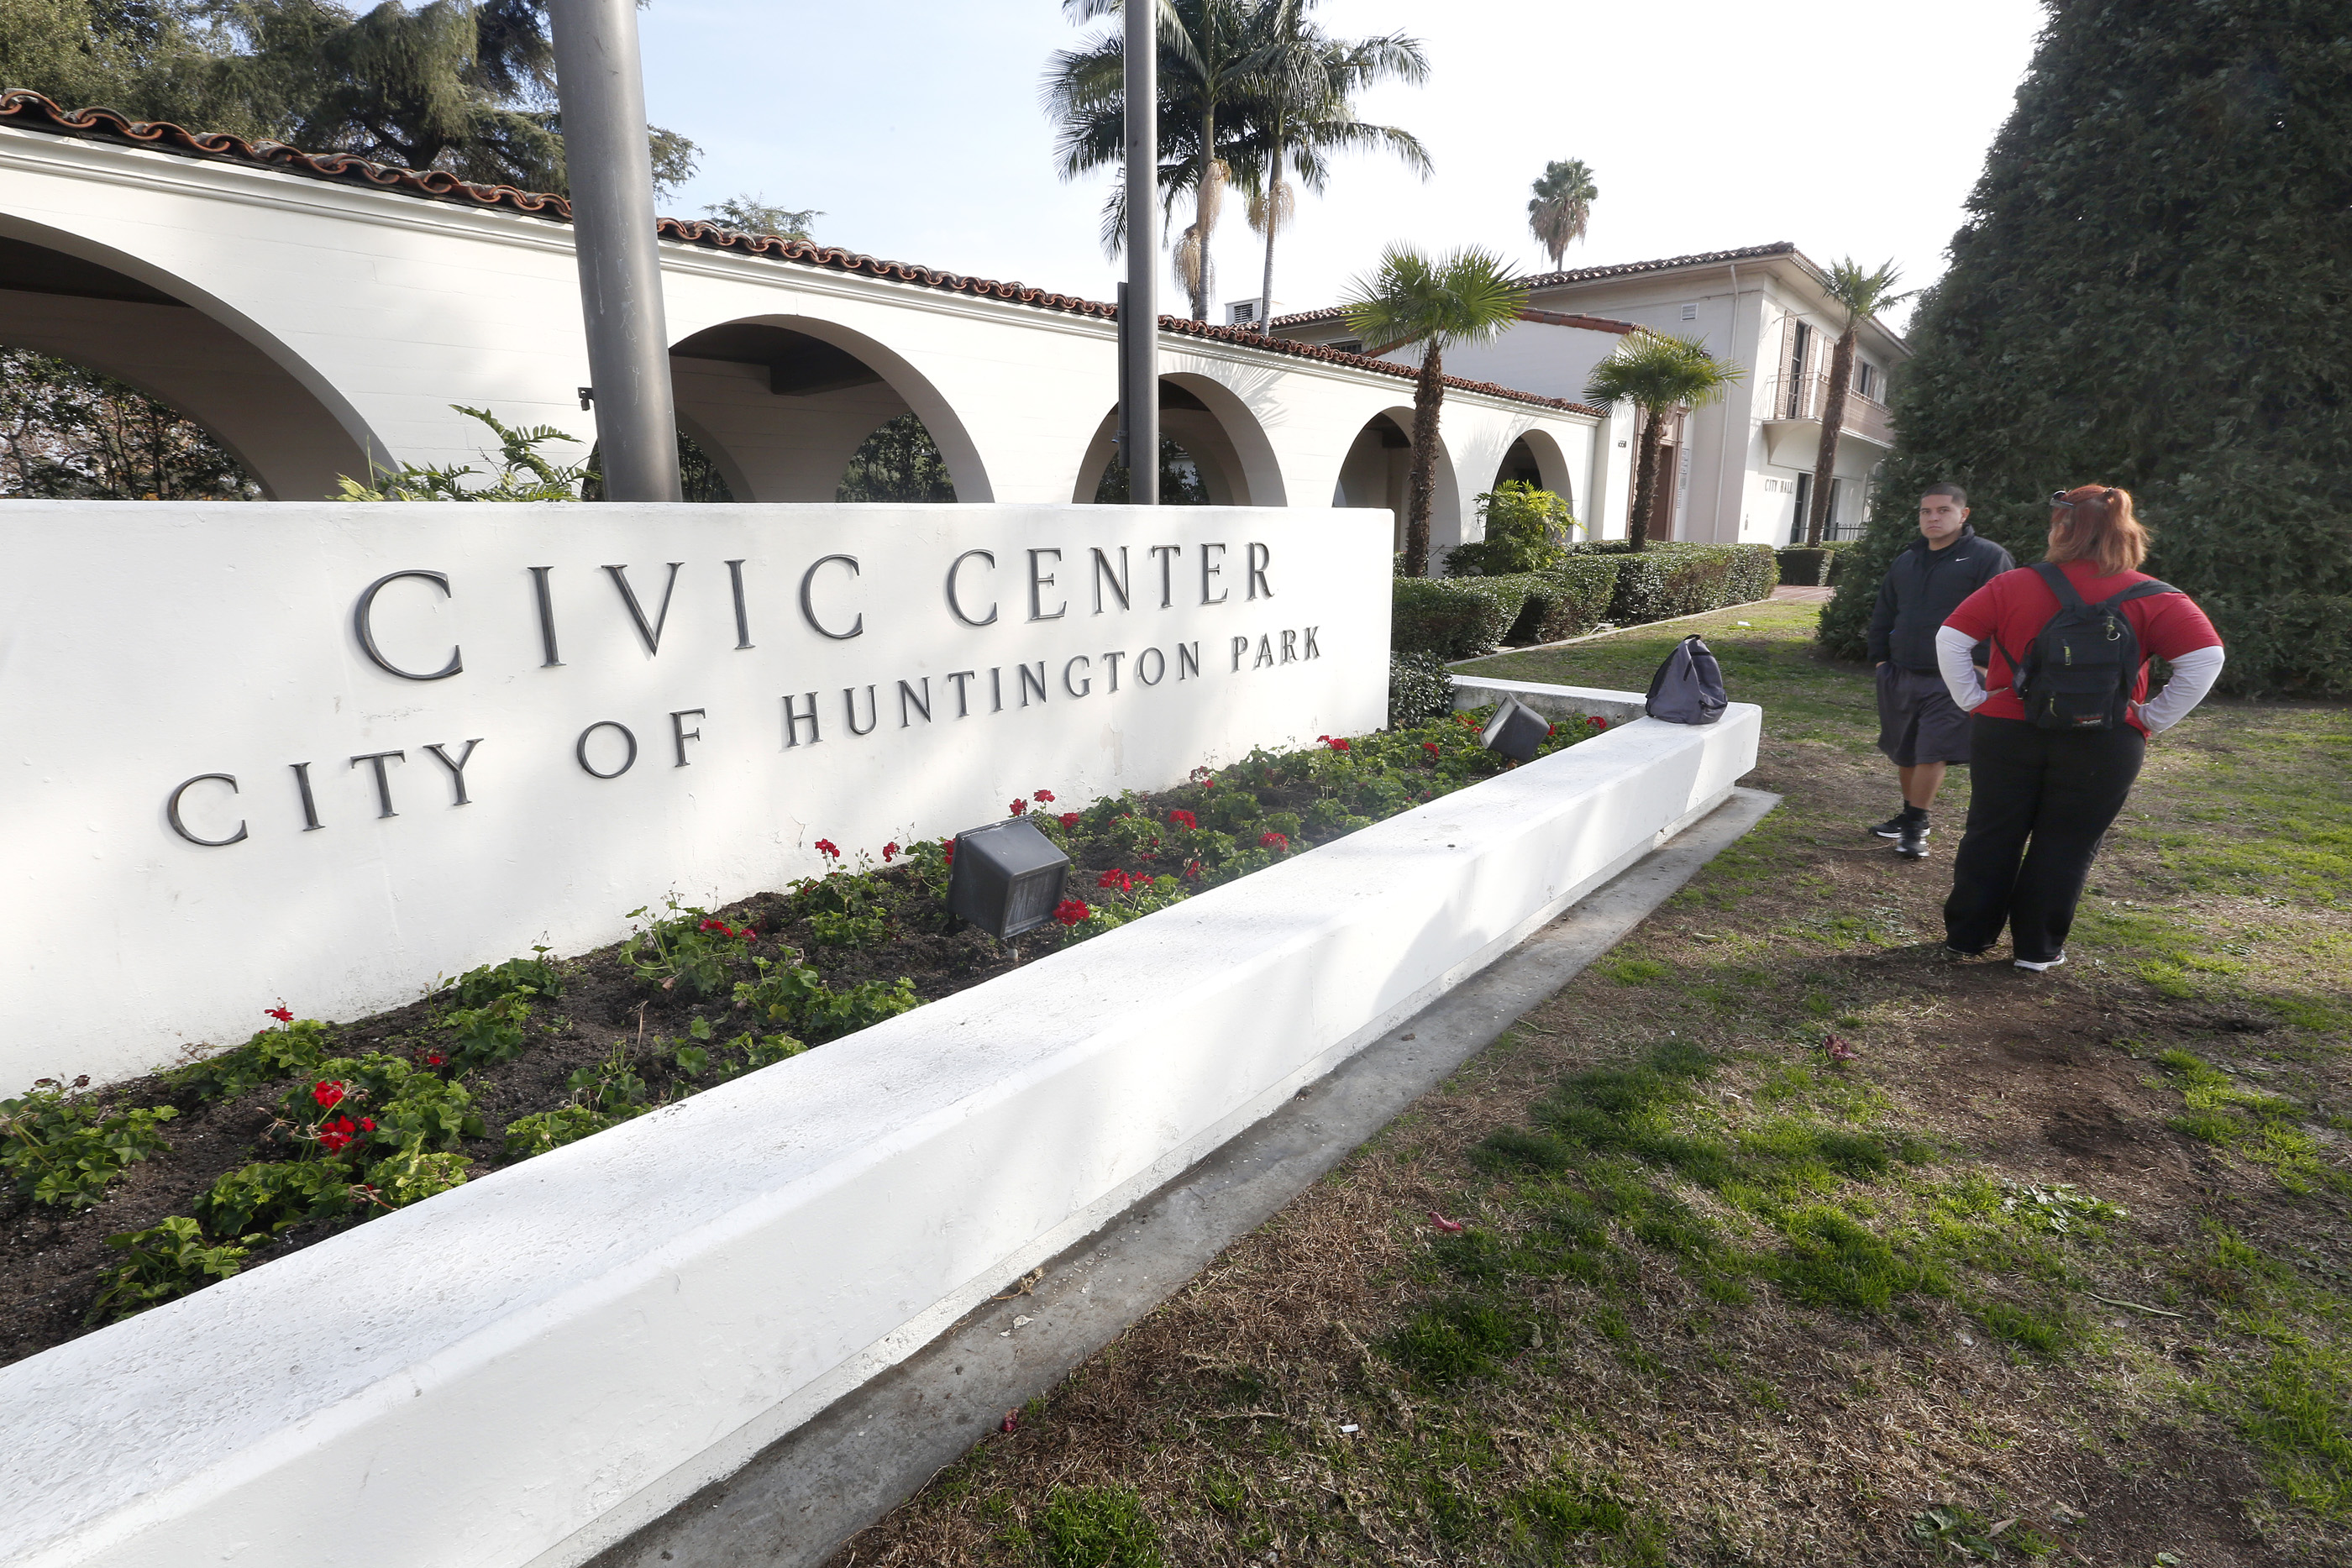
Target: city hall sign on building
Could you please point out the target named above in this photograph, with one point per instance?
(321, 754)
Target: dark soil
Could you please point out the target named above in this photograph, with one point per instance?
(52, 1260)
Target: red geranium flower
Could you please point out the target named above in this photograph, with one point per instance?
(433, 1059)
(719, 926)
(1430, 747)
(327, 1092)
(947, 848)
(1045, 795)
(1275, 841)
(1020, 807)
(1183, 818)
(1597, 722)
(283, 1015)
(828, 849)
(1192, 871)
(1115, 878)
(1337, 745)
(1070, 911)
(367, 1123)
(1069, 818)
(890, 851)
(336, 1136)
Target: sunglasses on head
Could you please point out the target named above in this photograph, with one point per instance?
(2060, 498)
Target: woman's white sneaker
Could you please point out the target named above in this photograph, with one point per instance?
(2038, 965)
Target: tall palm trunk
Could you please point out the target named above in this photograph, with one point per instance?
(1421, 491)
(1204, 212)
(1646, 477)
(1273, 222)
(1833, 423)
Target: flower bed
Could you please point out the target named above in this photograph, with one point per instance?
(121, 1198)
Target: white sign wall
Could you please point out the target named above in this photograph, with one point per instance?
(321, 754)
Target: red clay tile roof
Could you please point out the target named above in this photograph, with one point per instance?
(1589, 274)
(28, 110)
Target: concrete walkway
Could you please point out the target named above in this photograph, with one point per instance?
(1804, 595)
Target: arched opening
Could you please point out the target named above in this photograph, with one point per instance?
(1377, 472)
(785, 406)
(900, 462)
(69, 433)
(1534, 459)
(1212, 451)
(68, 299)
(699, 477)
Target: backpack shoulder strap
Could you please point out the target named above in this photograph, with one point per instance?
(2148, 590)
(2068, 597)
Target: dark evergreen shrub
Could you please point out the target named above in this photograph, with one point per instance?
(1803, 568)
(1453, 617)
(2154, 290)
(1672, 579)
(1419, 688)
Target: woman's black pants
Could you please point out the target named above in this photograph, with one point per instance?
(2039, 801)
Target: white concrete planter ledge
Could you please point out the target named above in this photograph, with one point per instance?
(524, 1370)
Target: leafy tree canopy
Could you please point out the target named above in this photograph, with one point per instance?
(467, 86)
(2154, 290)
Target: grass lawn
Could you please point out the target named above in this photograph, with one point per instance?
(1785, 1242)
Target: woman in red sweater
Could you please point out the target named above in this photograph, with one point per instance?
(2041, 798)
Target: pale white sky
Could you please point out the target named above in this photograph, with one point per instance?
(1851, 127)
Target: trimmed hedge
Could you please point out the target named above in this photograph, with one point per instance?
(1462, 617)
(1811, 566)
(1671, 579)
(1419, 689)
(2287, 644)
(1453, 617)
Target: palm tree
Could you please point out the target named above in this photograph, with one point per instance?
(1863, 295)
(1204, 78)
(1465, 298)
(1562, 206)
(1302, 107)
(1659, 373)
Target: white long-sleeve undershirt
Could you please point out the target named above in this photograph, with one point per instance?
(2193, 675)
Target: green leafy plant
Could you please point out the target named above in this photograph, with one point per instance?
(537, 973)
(604, 1093)
(488, 1034)
(1527, 528)
(262, 1199)
(273, 1055)
(163, 1262)
(58, 1147)
(412, 1175)
(687, 951)
(523, 473)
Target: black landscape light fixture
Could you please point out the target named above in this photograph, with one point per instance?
(1008, 878)
(1515, 731)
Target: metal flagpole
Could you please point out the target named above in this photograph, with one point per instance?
(601, 91)
(1139, 312)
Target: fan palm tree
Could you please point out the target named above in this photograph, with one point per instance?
(1863, 295)
(1465, 298)
(1562, 206)
(1205, 46)
(1302, 108)
(1659, 373)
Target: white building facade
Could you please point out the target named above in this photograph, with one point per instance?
(1740, 471)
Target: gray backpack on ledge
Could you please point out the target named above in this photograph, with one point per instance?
(1688, 687)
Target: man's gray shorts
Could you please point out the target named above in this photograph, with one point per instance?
(1917, 720)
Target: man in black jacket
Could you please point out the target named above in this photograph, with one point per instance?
(1919, 728)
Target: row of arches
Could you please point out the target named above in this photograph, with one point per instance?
(785, 408)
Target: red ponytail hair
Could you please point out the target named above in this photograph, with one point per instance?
(2095, 522)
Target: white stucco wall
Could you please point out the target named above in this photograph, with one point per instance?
(539, 1361)
(375, 311)
(145, 645)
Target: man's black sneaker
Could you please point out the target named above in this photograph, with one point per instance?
(1911, 843)
(1893, 827)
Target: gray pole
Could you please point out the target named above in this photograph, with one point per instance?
(601, 90)
(1139, 314)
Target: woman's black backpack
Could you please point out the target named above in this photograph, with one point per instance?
(1688, 687)
(2084, 662)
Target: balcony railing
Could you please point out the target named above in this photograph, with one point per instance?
(1801, 397)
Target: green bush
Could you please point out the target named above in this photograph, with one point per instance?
(1419, 688)
(1453, 617)
(2181, 333)
(58, 1147)
(167, 1260)
(1589, 583)
(1670, 580)
(1527, 529)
